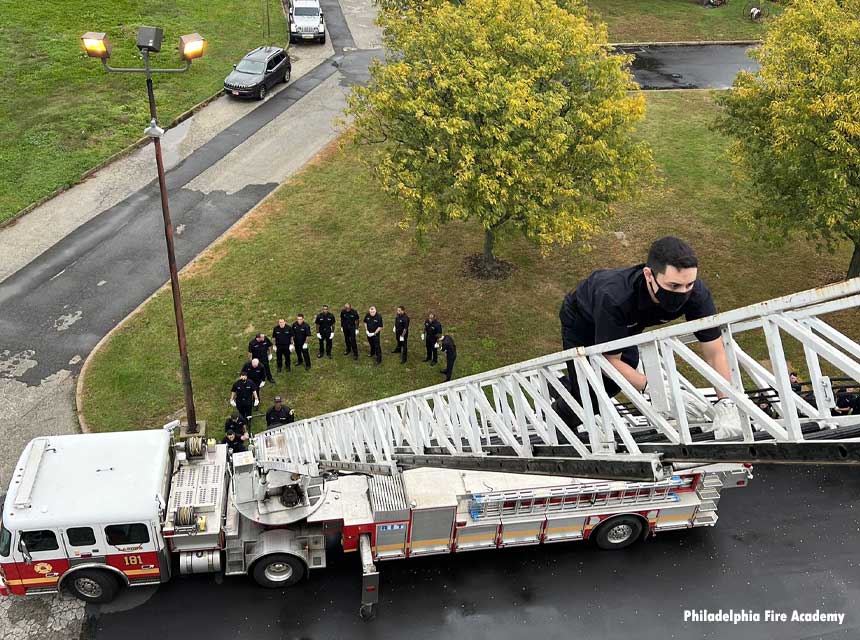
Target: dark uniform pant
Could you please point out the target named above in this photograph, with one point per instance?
(449, 366)
(268, 368)
(302, 355)
(402, 348)
(245, 411)
(349, 340)
(283, 356)
(573, 335)
(325, 344)
(432, 354)
(375, 347)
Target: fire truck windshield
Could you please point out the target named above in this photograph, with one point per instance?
(5, 541)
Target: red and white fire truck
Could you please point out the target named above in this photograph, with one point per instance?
(95, 514)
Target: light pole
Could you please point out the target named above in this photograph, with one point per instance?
(191, 46)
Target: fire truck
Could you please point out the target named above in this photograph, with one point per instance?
(484, 462)
(97, 513)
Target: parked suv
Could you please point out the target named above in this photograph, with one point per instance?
(306, 21)
(259, 71)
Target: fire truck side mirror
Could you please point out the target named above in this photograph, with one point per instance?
(22, 547)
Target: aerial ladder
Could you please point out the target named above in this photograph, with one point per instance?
(504, 420)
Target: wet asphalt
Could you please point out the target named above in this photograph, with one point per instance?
(789, 541)
(689, 67)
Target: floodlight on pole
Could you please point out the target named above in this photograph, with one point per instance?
(96, 45)
(191, 47)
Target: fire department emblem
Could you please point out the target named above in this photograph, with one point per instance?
(43, 568)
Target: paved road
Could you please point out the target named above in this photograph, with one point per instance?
(788, 541)
(695, 67)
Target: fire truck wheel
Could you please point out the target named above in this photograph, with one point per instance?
(278, 570)
(618, 532)
(92, 585)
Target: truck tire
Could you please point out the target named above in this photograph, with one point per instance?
(278, 570)
(92, 585)
(618, 532)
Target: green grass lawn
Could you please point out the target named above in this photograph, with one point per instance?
(345, 246)
(61, 114)
(677, 20)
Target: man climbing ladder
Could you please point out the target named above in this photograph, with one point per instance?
(617, 303)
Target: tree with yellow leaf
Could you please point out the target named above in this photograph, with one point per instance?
(796, 126)
(512, 113)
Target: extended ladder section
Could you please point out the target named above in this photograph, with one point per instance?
(505, 420)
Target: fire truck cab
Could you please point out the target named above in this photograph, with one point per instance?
(82, 513)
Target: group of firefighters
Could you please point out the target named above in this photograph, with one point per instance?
(294, 338)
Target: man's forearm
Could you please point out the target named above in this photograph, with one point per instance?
(630, 374)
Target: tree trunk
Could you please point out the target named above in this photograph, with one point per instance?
(489, 244)
(854, 266)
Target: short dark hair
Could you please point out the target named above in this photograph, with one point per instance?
(671, 251)
(301, 315)
(230, 432)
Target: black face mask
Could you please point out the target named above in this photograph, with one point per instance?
(670, 301)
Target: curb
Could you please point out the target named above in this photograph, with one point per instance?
(79, 385)
(686, 43)
(134, 146)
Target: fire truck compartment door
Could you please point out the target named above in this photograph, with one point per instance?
(432, 530)
(391, 539)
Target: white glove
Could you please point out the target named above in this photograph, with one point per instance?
(727, 421)
(232, 402)
(275, 349)
(319, 337)
(356, 332)
(423, 336)
(393, 329)
(402, 339)
(695, 407)
(436, 346)
(331, 336)
(257, 401)
(305, 345)
(369, 335)
(270, 356)
(262, 384)
(292, 349)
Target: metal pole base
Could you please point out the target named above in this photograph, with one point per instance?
(184, 432)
